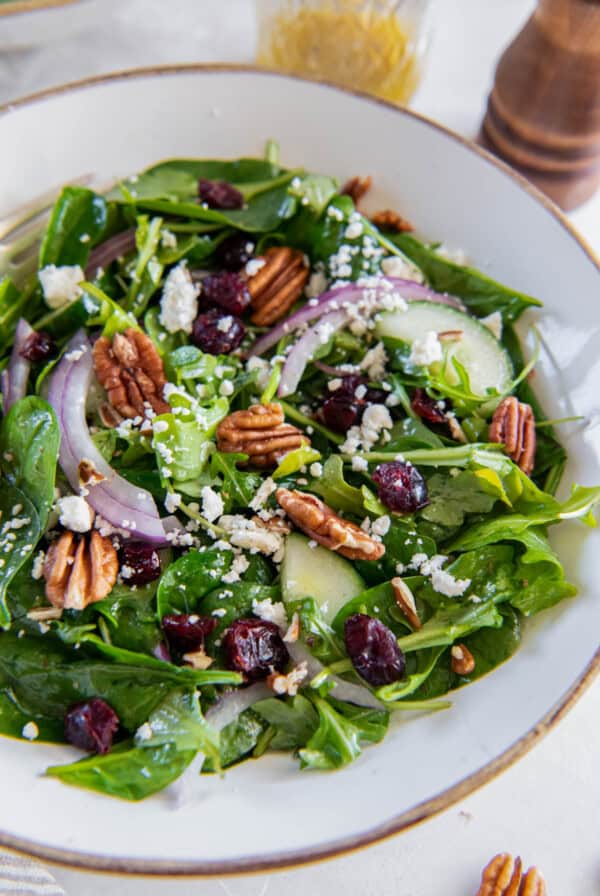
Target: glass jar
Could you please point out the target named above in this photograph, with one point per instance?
(373, 45)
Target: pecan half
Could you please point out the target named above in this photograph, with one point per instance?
(513, 425)
(503, 877)
(391, 220)
(81, 571)
(406, 602)
(357, 187)
(277, 284)
(261, 433)
(132, 372)
(320, 523)
(462, 660)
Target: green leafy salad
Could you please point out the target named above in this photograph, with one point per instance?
(272, 474)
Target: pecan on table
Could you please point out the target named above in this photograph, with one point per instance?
(357, 187)
(277, 284)
(513, 425)
(391, 220)
(503, 876)
(131, 370)
(324, 526)
(80, 571)
(261, 433)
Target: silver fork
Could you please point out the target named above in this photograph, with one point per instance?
(22, 229)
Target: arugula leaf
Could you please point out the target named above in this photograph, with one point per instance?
(324, 641)
(542, 586)
(425, 662)
(450, 623)
(294, 718)
(237, 487)
(334, 489)
(130, 773)
(16, 544)
(147, 271)
(294, 460)
(185, 582)
(183, 443)
(178, 720)
(410, 433)
(77, 212)
(479, 292)
(232, 602)
(451, 498)
(342, 731)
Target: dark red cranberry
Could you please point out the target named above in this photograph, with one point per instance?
(254, 647)
(235, 251)
(227, 290)
(38, 347)
(219, 194)
(140, 563)
(373, 649)
(187, 631)
(91, 726)
(428, 408)
(400, 486)
(345, 406)
(217, 333)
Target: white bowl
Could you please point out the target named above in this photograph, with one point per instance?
(268, 814)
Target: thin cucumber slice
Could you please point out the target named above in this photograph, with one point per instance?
(319, 573)
(483, 357)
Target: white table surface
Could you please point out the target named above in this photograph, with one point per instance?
(546, 807)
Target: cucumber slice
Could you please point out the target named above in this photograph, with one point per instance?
(319, 573)
(483, 357)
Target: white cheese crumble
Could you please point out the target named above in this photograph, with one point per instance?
(263, 493)
(226, 388)
(30, 731)
(335, 384)
(168, 240)
(359, 464)
(179, 302)
(290, 683)
(254, 265)
(376, 419)
(60, 285)
(381, 526)
(374, 362)
(316, 470)
(396, 266)
(75, 513)
(264, 371)
(172, 501)
(144, 732)
(270, 612)
(493, 322)
(442, 581)
(317, 284)
(252, 536)
(426, 350)
(37, 569)
(238, 568)
(212, 504)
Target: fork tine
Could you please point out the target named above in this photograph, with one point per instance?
(36, 207)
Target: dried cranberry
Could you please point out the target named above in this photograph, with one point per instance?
(219, 194)
(140, 563)
(227, 290)
(428, 408)
(400, 486)
(38, 347)
(187, 631)
(91, 726)
(373, 649)
(235, 251)
(217, 333)
(346, 405)
(254, 647)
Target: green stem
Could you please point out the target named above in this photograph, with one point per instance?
(420, 705)
(540, 424)
(294, 414)
(436, 457)
(339, 666)
(272, 385)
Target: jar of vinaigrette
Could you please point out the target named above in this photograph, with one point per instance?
(377, 46)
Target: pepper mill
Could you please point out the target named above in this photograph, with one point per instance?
(543, 114)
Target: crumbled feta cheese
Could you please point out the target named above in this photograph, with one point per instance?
(179, 302)
(359, 464)
(75, 513)
(84, 238)
(30, 731)
(353, 230)
(316, 469)
(376, 419)
(37, 569)
(172, 501)
(225, 324)
(76, 354)
(381, 526)
(238, 568)
(426, 350)
(264, 371)
(374, 362)
(493, 322)
(290, 683)
(270, 612)
(263, 493)
(168, 240)
(444, 583)
(60, 285)
(456, 256)
(250, 535)
(254, 265)
(219, 612)
(226, 388)
(396, 266)
(334, 384)
(160, 426)
(293, 632)
(212, 504)
(316, 285)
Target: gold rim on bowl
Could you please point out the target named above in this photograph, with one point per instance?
(428, 808)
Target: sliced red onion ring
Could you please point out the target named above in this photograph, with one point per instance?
(304, 350)
(107, 252)
(14, 378)
(350, 295)
(341, 690)
(119, 502)
(334, 371)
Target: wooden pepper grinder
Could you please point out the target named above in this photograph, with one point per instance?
(543, 114)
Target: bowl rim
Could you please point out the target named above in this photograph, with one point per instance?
(439, 802)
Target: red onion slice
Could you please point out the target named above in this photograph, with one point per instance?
(120, 503)
(107, 252)
(14, 378)
(334, 299)
(304, 350)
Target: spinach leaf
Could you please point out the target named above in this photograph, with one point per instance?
(14, 717)
(410, 433)
(182, 446)
(380, 603)
(131, 618)
(77, 212)
(130, 773)
(401, 541)
(451, 623)
(491, 573)
(231, 602)
(479, 292)
(425, 662)
(179, 721)
(185, 582)
(334, 489)
(451, 498)
(295, 720)
(236, 740)
(342, 731)
(29, 440)
(542, 586)
(20, 530)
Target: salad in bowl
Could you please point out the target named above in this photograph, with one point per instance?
(273, 475)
